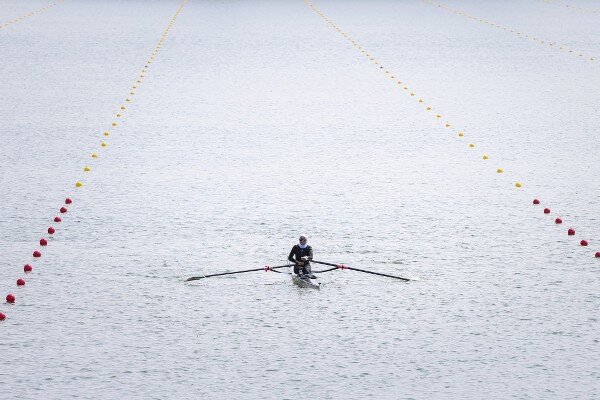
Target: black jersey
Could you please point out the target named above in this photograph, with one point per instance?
(297, 253)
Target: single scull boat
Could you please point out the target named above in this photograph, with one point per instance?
(305, 282)
(301, 281)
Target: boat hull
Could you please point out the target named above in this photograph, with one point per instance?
(306, 282)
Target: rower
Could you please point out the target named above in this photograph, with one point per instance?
(301, 255)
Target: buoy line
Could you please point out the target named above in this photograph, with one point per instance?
(438, 117)
(571, 7)
(518, 33)
(30, 14)
(37, 254)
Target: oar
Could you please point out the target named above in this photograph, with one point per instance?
(265, 268)
(341, 266)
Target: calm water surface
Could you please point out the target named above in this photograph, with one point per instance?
(258, 122)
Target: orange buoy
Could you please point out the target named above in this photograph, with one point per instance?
(20, 282)
(10, 298)
(43, 242)
(583, 242)
(571, 232)
(37, 254)
(546, 211)
(558, 221)
(536, 201)
(27, 268)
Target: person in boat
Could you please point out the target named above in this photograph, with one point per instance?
(301, 255)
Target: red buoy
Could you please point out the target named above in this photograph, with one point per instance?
(558, 221)
(598, 254)
(57, 219)
(571, 231)
(2, 317)
(63, 210)
(51, 231)
(536, 201)
(546, 211)
(10, 298)
(37, 254)
(20, 282)
(583, 242)
(27, 268)
(68, 201)
(43, 242)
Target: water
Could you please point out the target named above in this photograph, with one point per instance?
(258, 122)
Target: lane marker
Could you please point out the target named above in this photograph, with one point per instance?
(412, 94)
(30, 14)
(10, 298)
(516, 32)
(571, 7)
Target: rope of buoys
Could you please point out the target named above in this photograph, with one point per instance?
(559, 221)
(516, 32)
(37, 254)
(428, 108)
(571, 6)
(30, 14)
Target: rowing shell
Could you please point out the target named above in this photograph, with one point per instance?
(305, 282)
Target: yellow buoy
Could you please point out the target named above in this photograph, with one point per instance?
(447, 125)
(78, 184)
(438, 116)
(471, 145)
(118, 115)
(122, 107)
(428, 108)
(106, 133)
(460, 134)
(114, 124)
(485, 157)
(103, 144)
(86, 169)
(518, 184)
(499, 170)
(94, 155)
